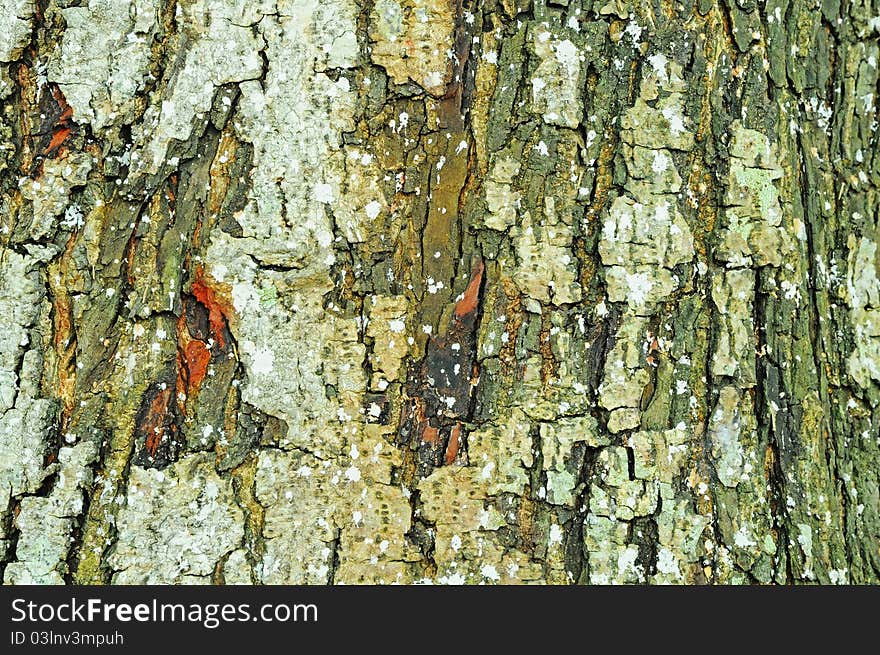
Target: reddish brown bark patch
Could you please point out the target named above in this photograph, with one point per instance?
(469, 302)
(441, 387)
(61, 127)
(202, 333)
(453, 445)
(154, 421)
(217, 309)
(157, 427)
(431, 435)
(59, 137)
(202, 336)
(197, 357)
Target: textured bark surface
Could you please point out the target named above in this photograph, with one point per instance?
(480, 291)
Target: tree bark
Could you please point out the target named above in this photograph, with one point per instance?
(452, 291)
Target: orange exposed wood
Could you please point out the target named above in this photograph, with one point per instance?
(216, 309)
(472, 294)
(58, 138)
(196, 357)
(66, 110)
(453, 445)
(430, 434)
(62, 129)
(153, 424)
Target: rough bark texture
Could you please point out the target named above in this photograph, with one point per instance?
(481, 291)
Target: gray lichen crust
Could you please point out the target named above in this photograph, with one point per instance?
(422, 291)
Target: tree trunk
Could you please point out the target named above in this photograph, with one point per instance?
(433, 290)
